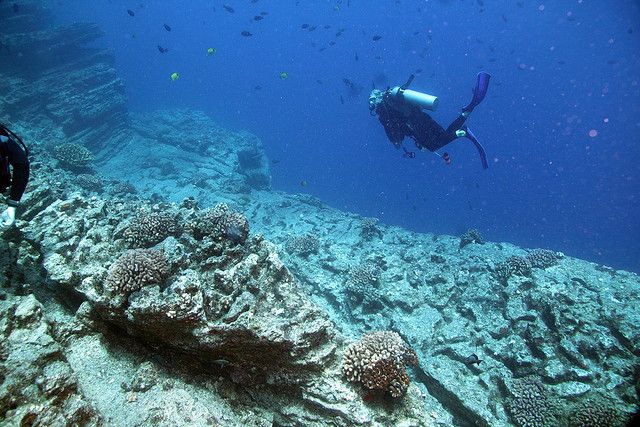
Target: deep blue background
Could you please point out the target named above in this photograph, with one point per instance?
(560, 69)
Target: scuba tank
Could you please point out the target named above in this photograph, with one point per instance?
(419, 99)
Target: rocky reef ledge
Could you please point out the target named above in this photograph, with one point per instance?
(246, 306)
(118, 311)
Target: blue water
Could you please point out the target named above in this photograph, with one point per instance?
(560, 70)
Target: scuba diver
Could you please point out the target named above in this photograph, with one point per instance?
(400, 110)
(13, 153)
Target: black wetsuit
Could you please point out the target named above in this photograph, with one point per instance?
(410, 121)
(12, 153)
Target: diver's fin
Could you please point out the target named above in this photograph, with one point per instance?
(483, 154)
(479, 92)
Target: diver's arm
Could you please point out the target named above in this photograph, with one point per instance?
(393, 126)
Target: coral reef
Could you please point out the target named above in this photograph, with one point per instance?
(470, 236)
(529, 404)
(150, 228)
(597, 412)
(543, 258)
(303, 245)
(362, 285)
(73, 156)
(513, 266)
(378, 361)
(369, 228)
(90, 182)
(220, 223)
(133, 270)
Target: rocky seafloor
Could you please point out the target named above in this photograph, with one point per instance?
(155, 281)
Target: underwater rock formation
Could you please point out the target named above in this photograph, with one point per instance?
(230, 153)
(229, 305)
(50, 77)
(569, 325)
(37, 384)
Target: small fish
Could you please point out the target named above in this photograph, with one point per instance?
(131, 12)
(312, 28)
(166, 27)
(326, 27)
(341, 100)
(376, 38)
(263, 13)
(303, 183)
(275, 161)
(228, 8)
(211, 51)
(472, 360)
(246, 33)
(162, 49)
(304, 26)
(258, 18)
(332, 43)
(257, 87)
(284, 75)
(174, 76)
(356, 57)
(504, 17)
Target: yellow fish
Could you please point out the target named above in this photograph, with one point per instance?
(284, 75)
(175, 76)
(211, 51)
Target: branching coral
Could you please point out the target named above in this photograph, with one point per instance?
(378, 361)
(150, 228)
(220, 223)
(362, 284)
(135, 269)
(73, 155)
(543, 258)
(303, 245)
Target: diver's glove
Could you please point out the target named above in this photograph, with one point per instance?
(8, 217)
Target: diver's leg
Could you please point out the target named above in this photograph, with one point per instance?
(457, 124)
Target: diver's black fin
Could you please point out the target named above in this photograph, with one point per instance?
(483, 154)
(479, 92)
